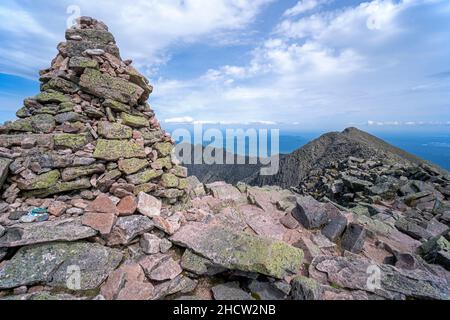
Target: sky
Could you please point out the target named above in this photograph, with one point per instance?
(306, 64)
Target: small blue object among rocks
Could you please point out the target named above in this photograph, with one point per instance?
(35, 215)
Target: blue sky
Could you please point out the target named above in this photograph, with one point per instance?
(307, 64)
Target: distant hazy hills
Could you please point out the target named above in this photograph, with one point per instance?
(318, 154)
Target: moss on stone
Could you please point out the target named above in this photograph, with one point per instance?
(71, 141)
(144, 176)
(182, 184)
(51, 97)
(112, 150)
(43, 181)
(116, 106)
(130, 166)
(169, 180)
(164, 163)
(82, 63)
(69, 174)
(23, 112)
(164, 148)
(111, 130)
(134, 121)
(60, 187)
(108, 87)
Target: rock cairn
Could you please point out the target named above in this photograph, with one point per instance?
(89, 130)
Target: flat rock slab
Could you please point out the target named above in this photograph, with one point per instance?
(353, 272)
(54, 265)
(240, 251)
(42, 232)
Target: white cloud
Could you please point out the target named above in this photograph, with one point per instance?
(304, 6)
(180, 120)
(341, 65)
(144, 29)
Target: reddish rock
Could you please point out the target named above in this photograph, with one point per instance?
(100, 221)
(127, 206)
(160, 267)
(169, 225)
(148, 205)
(57, 208)
(102, 204)
(128, 283)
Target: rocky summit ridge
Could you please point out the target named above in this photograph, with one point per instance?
(94, 207)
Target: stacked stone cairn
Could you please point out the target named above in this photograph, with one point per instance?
(90, 129)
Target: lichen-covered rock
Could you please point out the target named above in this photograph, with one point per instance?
(73, 173)
(81, 63)
(97, 36)
(240, 251)
(60, 187)
(134, 121)
(304, 288)
(51, 97)
(116, 106)
(40, 123)
(144, 176)
(48, 231)
(199, 265)
(60, 85)
(164, 148)
(53, 265)
(130, 166)
(71, 141)
(107, 87)
(43, 181)
(169, 180)
(113, 150)
(114, 130)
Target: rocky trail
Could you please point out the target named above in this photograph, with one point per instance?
(94, 206)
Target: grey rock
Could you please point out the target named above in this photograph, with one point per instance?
(412, 229)
(304, 288)
(230, 291)
(352, 272)
(335, 228)
(199, 265)
(52, 264)
(266, 291)
(128, 228)
(354, 237)
(310, 212)
(181, 284)
(240, 251)
(4, 168)
(49, 231)
(150, 243)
